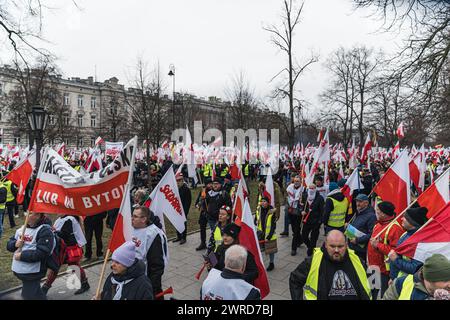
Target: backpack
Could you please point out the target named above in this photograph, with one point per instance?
(56, 258)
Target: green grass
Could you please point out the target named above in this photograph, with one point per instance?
(8, 280)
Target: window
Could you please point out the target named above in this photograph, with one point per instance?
(66, 119)
(80, 101)
(66, 141)
(1, 88)
(80, 142)
(113, 109)
(93, 121)
(16, 140)
(93, 141)
(93, 102)
(80, 120)
(0, 116)
(51, 119)
(66, 99)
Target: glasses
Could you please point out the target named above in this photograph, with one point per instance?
(137, 217)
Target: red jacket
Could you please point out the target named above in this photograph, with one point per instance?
(377, 256)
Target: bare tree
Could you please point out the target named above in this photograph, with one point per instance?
(283, 39)
(115, 118)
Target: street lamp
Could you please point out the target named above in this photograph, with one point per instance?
(38, 121)
(172, 74)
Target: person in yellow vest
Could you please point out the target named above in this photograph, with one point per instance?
(3, 193)
(336, 209)
(266, 221)
(215, 239)
(333, 272)
(11, 205)
(223, 171)
(207, 170)
(431, 282)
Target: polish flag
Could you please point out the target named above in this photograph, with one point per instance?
(400, 131)
(417, 168)
(394, 185)
(248, 239)
(433, 237)
(340, 173)
(436, 196)
(396, 151)
(353, 183)
(367, 148)
(269, 187)
(99, 141)
(123, 229)
(60, 149)
(238, 205)
(322, 154)
(21, 174)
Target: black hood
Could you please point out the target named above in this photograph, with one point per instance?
(134, 271)
(339, 196)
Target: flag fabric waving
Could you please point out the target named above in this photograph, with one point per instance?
(60, 189)
(353, 183)
(21, 174)
(436, 196)
(123, 229)
(400, 131)
(248, 239)
(433, 237)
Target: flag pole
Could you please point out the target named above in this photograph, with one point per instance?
(102, 274)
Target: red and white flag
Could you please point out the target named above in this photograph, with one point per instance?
(21, 174)
(353, 183)
(394, 185)
(248, 239)
(396, 151)
(367, 148)
(400, 132)
(60, 149)
(99, 141)
(123, 229)
(417, 169)
(60, 189)
(340, 173)
(165, 200)
(322, 154)
(433, 237)
(436, 196)
(269, 187)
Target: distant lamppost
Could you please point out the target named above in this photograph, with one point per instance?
(38, 121)
(172, 74)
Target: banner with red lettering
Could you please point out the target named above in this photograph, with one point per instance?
(61, 189)
(112, 149)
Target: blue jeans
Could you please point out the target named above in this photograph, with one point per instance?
(2, 212)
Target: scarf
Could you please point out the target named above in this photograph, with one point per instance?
(119, 288)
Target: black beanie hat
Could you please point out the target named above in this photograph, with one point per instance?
(232, 230)
(416, 216)
(387, 208)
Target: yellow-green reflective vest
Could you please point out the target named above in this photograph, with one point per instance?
(388, 265)
(9, 196)
(2, 205)
(224, 172)
(246, 171)
(400, 272)
(217, 238)
(207, 170)
(407, 288)
(269, 218)
(337, 215)
(310, 287)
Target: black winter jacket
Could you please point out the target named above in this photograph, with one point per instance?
(186, 198)
(44, 246)
(329, 206)
(138, 289)
(215, 202)
(316, 209)
(155, 264)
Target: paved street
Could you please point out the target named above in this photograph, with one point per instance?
(184, 263)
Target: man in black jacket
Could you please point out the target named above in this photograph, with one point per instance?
(30, 255)
(200, 204)
(215, 199)
(312, 217)
(127, 280)
(186, 199)
(94, 224)
(333, 273)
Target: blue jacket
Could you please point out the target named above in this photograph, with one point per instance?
(417, 294)
(364, 221)
(400, 264)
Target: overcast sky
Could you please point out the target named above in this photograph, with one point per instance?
(207, 40)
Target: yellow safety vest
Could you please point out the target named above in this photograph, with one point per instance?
(337, 215)
(224, 172)
(2, 205)
(407, 288)
(246, 170)
(312, 282)
(77, 168)
(9, 196)
(207, 170)
(269, 218)
(400, 272)
(217, 238)
(388, 265)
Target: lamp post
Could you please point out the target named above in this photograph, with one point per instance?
(172, 74)
(38, 121)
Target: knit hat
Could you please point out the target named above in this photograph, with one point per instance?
(416, 216)
(266, 198)
(436, 268)
(341, 183)
(125, 254)
(387, 208)
(232, 230)
(333, 186)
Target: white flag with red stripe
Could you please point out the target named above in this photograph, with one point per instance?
(248, 239)
(417, 169)
(270, 188)
(367, 148)
(353, 183)
(436, 196)
(123, 229)
(433, 237)
(400, 131)
(394, 185)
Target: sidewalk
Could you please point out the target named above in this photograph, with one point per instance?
(184, 263)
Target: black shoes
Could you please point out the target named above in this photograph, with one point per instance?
(202, 246)
(270, 267)
(183, 241)
(177, 239)
(45, 288)
(84, 287)
(293, 252)
(284, 234)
